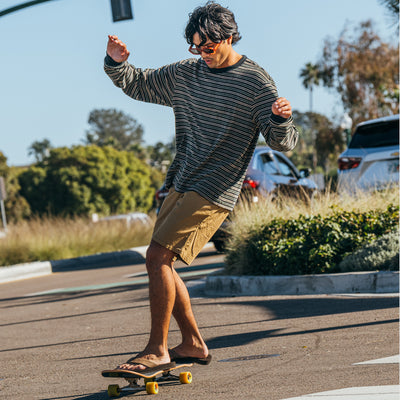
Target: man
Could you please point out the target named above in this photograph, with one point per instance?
(221, 102)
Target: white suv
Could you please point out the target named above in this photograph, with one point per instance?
(371, 161)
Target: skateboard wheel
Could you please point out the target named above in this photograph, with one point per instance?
(185, 377)
(152, 387)
(113, 391)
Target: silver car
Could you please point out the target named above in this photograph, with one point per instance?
(371, 161)
(270, 174)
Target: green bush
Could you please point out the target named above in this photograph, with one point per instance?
(86, 179)
(308, 244)
(381, 254)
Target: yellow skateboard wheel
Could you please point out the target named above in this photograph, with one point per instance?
(113, 391)
(185, 377)
(152, 387)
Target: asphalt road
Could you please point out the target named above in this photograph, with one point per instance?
(58, 332)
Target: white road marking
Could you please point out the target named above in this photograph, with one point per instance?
(390, 392)
(386, 360)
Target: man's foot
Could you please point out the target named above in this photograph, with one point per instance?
(183, 355)
(142, 363)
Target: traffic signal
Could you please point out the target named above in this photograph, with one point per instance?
(121, 10)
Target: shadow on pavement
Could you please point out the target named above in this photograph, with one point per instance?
(89, 396)
(56, 297)
(299, 307)
(242, 339)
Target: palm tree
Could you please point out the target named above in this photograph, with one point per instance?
(311, 75)
(39, 149)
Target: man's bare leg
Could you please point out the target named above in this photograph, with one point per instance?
(192, 344)
(162, 293)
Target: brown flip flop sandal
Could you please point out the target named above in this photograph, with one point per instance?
(150, 365)
(189, 360)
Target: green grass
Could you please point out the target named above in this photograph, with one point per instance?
(44, 239)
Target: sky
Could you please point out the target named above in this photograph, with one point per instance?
(51, 69)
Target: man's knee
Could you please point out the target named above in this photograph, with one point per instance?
(158, 255)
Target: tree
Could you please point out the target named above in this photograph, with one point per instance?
(86, 179)
(16, 206)
(320, 141)
(311, 77)
(40, 149)
(364, 70)
(392, 7)
(110, 127)
(161, 155)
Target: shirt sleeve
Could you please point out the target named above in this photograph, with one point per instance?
(280, 134)
(149, 85)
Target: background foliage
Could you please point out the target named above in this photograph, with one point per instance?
(87, 179)
(308, 244)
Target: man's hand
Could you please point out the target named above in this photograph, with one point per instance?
(116, 49)
(282, 108)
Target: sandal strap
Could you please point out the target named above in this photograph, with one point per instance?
(141, 361)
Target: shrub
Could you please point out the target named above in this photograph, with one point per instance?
(308, 244)
(381, 254)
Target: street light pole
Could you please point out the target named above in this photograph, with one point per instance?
(21, 6)
(121, 9)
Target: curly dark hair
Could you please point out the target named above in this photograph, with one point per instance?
(212, 21)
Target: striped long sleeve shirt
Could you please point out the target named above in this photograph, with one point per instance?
(219, 114)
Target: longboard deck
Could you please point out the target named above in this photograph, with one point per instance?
(124, 373)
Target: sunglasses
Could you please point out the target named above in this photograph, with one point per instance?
(210, 49)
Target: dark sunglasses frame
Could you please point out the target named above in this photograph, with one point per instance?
(197, 50)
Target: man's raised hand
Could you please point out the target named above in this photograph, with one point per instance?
(116, 49)
(282, 107)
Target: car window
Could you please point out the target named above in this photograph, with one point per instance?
(267, 164)
(376, 135)
(285, 168)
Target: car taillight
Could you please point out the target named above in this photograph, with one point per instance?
(348, 163)
(250, 183)
(160, 194)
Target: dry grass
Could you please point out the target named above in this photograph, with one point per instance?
(43, 239)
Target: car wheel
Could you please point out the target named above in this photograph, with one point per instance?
(219, 246)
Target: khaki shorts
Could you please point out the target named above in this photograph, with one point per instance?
(186, 222)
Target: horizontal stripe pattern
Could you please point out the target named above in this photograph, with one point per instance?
(218, 117)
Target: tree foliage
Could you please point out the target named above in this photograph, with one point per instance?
(110, 127)
(40, 149)
(364, 70)
(392, 7)
(85, 179)
(15, 204)
(311, 76)
(320, 141)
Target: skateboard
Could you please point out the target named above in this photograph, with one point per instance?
(151, 379)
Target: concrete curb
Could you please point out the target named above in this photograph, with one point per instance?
(102, 260)
(352, 282)
(24, 271)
